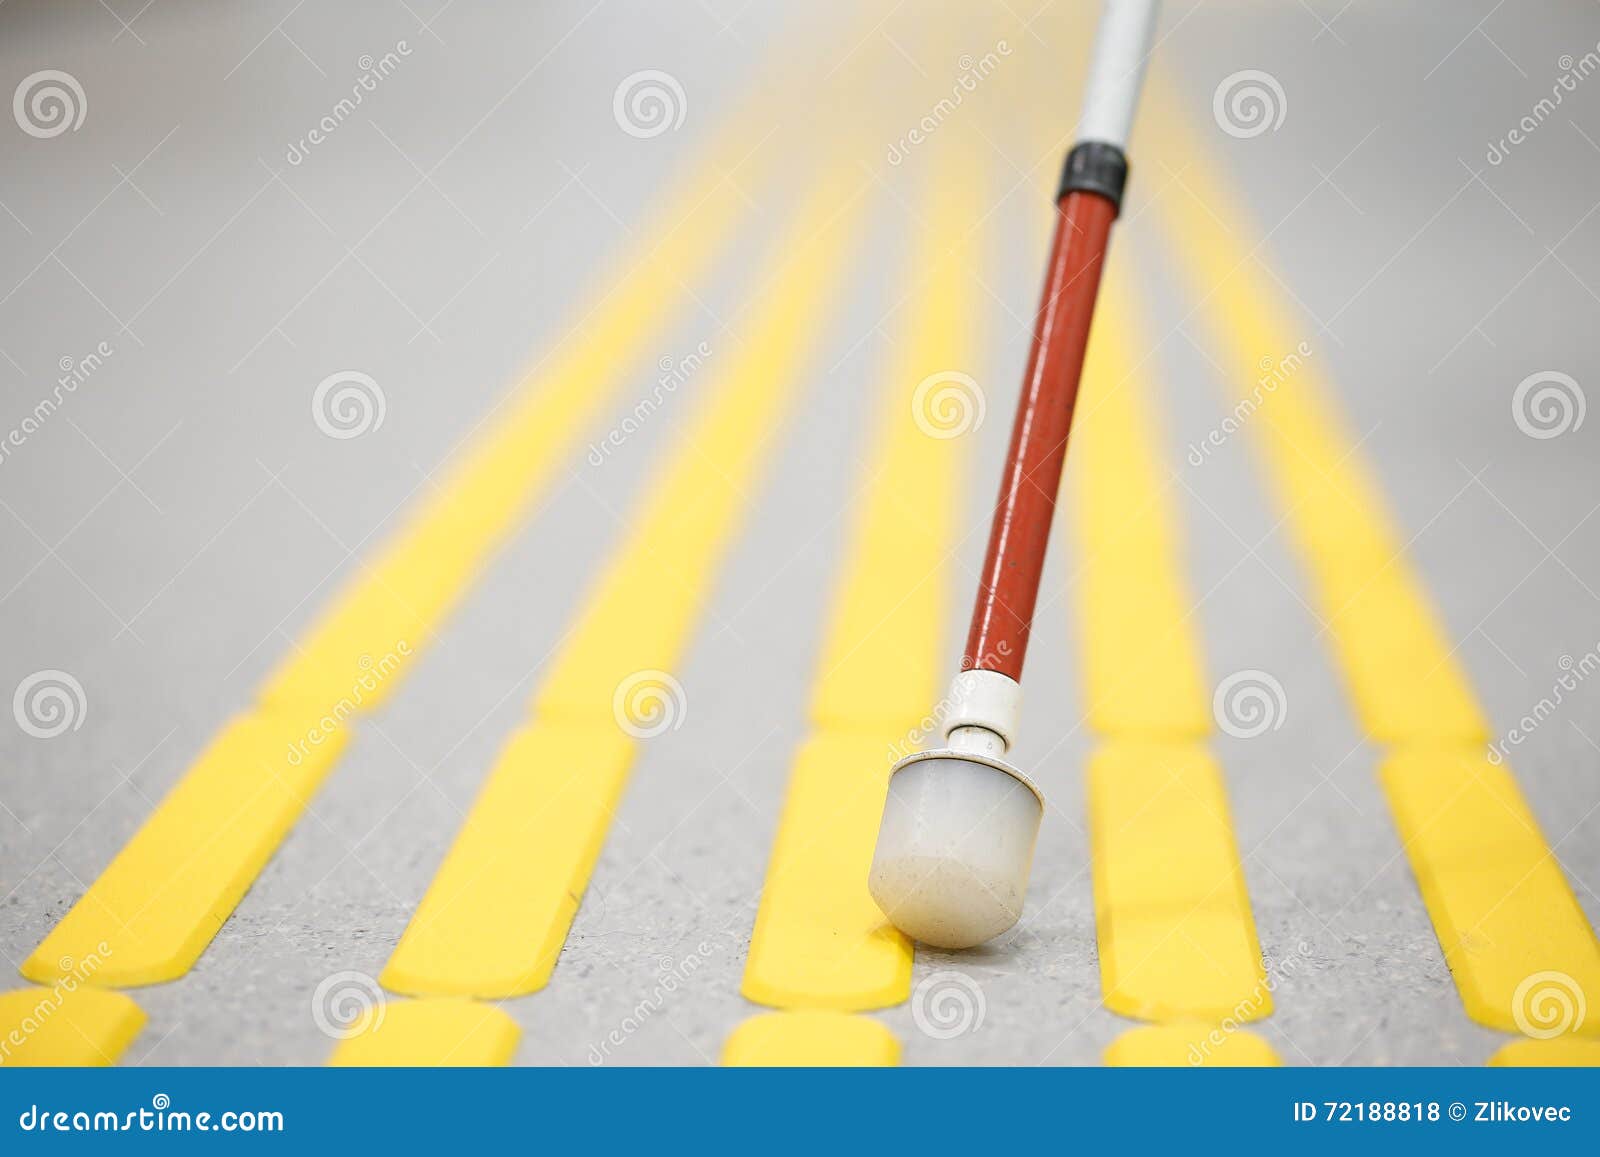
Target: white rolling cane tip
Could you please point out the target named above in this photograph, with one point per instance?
(955, 847)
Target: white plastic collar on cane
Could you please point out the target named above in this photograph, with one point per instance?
(985, 699)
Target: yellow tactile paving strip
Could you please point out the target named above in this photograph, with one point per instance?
(820, 942)
(811, 1039)
(1177, 939)
(158, 904)
(493, 920)
(1143, 672)
(1172, 914)
(401, 1033)
(406, 592)
(163, 898)
(495, 917)
(1502, 909)
(1397, 662)
(1193, 1044)
(63, 1025)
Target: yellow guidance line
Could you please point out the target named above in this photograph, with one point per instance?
(1391, 646)
(1143, 672)
(160, 901)
(430, 1033)
(1172, 914)
(495, 917)
(1512, 932)
(1499, 903)
(406, 593)
(820, 942)
(61, 1026)
(1177, 939)
(167, 893)
(811, 1039)
(1189, 1045)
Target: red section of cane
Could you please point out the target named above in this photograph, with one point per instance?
(1009, 586)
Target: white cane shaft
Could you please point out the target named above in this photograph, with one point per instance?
(1116, 71)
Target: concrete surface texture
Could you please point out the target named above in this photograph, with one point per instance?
(171, 528)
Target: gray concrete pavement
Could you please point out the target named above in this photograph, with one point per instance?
(176, 523)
